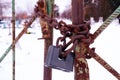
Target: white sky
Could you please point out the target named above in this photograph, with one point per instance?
(28, 5)
(25, 5)
(22, 5)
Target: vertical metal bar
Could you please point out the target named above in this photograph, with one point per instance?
(48, 41)
(77, 12)
(13, 37)
(47, 71)
(17, 38)
(80, 63)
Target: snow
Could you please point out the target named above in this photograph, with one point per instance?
(30, 54)
(107, 47)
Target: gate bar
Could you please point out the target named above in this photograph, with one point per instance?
(48, 38)
(106, 65)
(13, 38)
(17, 38)
(81, 70)
(106, 23)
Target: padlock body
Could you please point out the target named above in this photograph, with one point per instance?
(53, 60)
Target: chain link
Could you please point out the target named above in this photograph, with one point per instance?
(74, 32)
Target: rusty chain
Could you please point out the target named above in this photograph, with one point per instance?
(74, 32)
(78, 34)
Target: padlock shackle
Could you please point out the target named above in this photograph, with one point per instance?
(60, 39)
(70, 49)
(73, 40)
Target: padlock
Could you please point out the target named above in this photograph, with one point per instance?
(54, 61)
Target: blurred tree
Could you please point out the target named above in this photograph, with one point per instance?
(114, 4)
(21, 15)
(3, 5)
(107, 7)
(96, 9)
(56, 11)
(66, 14)
(91, 9)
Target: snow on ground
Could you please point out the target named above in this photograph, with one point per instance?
(107, 47)
(29, 56)
(30, 51)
